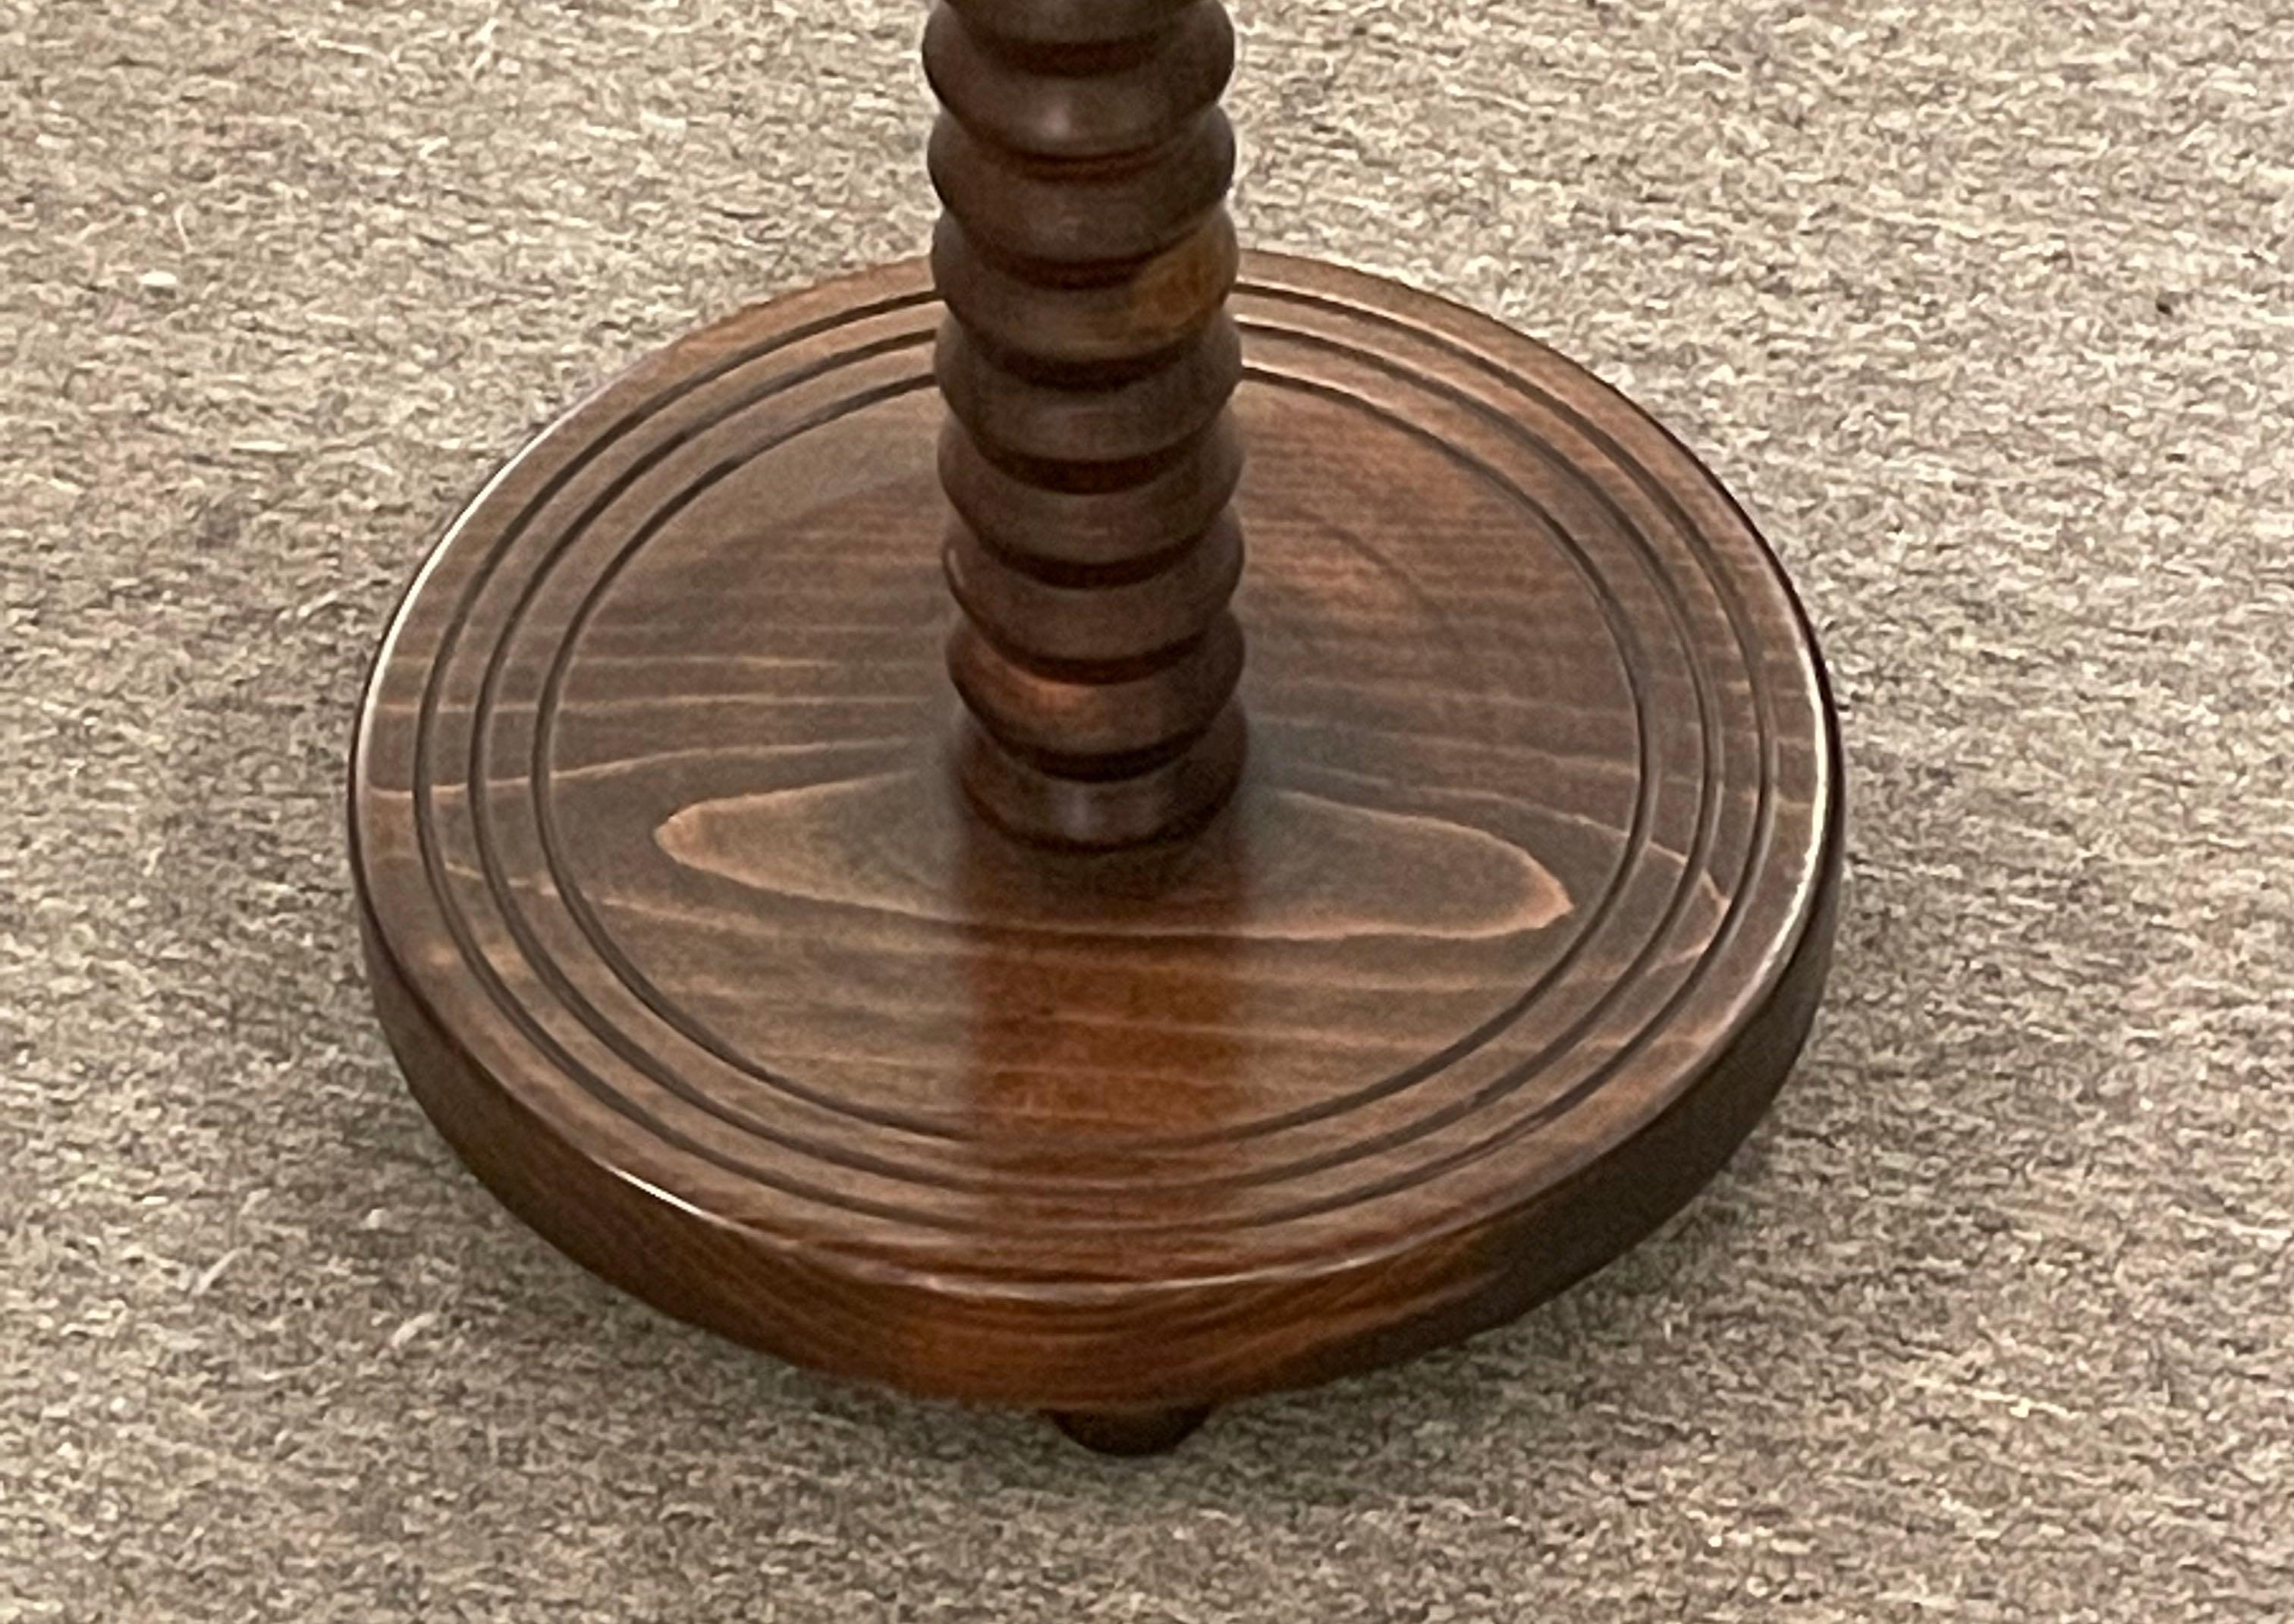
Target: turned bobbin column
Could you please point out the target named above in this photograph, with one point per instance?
(1090, 456)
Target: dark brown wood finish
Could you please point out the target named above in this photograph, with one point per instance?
(1085, 258)
(689, 943)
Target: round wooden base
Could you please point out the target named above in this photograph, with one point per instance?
(687, 941)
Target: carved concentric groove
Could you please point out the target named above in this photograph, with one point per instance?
(1086, 259)
(772, 1166)
(1118, 807)
(480, 771)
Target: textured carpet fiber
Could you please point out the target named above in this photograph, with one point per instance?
(1985, 308)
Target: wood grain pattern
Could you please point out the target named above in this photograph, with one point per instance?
(1086, 363)
(686, 940)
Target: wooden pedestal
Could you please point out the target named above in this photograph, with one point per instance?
(691, 943)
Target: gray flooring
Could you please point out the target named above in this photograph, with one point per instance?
(1985, 309)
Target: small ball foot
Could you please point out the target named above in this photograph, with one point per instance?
(1131, 1432)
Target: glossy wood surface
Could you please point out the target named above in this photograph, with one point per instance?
(1090, 456)
(689, 942)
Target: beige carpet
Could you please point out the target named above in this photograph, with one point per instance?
(1986, 308)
